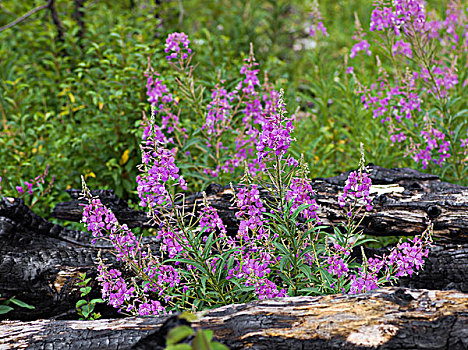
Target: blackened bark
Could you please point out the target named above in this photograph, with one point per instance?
(388, 318)
(40, 262)
(405, 203)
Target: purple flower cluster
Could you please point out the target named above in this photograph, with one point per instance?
(440, 79)
(403, 260)
(219, 112)
(434, 141)
(356, 190)
(276, 133)
(172, 241)
(300, 192)
(102, 223)
(253, 272)
(161, 101)
(29, 185)
(177, 44)
(363, 281)
(427, 74)
(114, 288)
(158, 167)
(250, 212)
(360, 46)
(398, 16)
(337, 266)
(317, 22)
(389, 102)
(210, 220)
(408, 257)
(400, 47)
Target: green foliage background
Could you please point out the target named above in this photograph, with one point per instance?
(77, 104)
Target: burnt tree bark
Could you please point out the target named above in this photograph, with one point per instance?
(405, 203)
(40, 262)
(388, 318)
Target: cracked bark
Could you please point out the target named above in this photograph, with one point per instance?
(388, 318)
(405, 203)
(39, 260)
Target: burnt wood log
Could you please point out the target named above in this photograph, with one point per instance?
(389, 318)
(40, 262)
(405, 203)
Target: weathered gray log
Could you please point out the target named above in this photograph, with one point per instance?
(389, 318)
(40, 262)
(405, 203)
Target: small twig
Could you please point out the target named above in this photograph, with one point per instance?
(25, 16)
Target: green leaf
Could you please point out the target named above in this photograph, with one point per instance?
(201, 341)
(96, 301)
(178, 334)
(85, 291)
(80, 303)
(21, 304)
(5, 309)
(178, 347)
(188, 316)
(218, 346)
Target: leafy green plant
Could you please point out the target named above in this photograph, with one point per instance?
(201, 339)
(85, 307)
(5, 304)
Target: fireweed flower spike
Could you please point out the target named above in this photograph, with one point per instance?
(102, 224)
(276, 132)
(356, 189)
(362, 44)
(317, 21)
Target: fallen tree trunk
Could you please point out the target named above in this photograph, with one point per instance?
(405, 203)
(389, 318)
(40, 262)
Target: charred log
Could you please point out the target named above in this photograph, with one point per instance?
(40, 262)
(389, 318)
(405, 203)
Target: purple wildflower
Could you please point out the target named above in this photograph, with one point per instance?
(356, 189)
(300, 193)
(363, 281)
(408, 257)
(250, 212)
(173, 46)
(400, 47)
(210, 220)
(398, 16)
(337, 266)
(360, 46)
(276, 133)
(317, 22)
